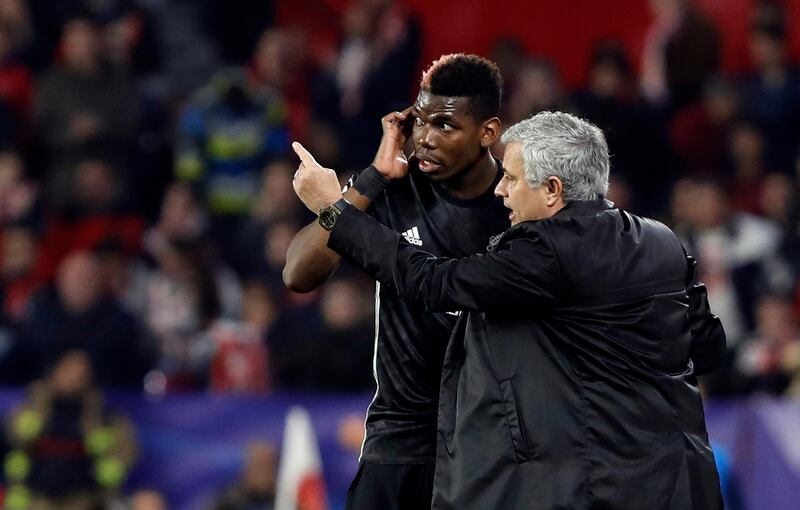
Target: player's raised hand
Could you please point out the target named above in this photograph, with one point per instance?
(390, 160)
(316, 186)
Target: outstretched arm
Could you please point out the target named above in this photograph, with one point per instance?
(309, 262)
(524, 272)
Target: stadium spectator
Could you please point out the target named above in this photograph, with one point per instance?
(345, 339)
(95, 208)
(275, 205)
(275, 201)
(769, 360)
(47, 22)
(372, 74)
(334, 351)
(189, 58)
(182, 299)
(18, 285)
(738, 253)
(80, 102)
(147, 499)
(15, 16)
(123, 275)
(19, 195)
(69, 450)
(714, 115)
(538, 89)
(181, 218)
(770, 95)
(610, 101)
(235, 26)
(780, 202)
(279, 66)
(509, 55)
(18, 278)
(255, 489)
(227, 133)
(130, 44)
(681, 50)
(746, 149)
(79, 314)
(16, 84)
(188, 290)
(239, 359)
(350, 433)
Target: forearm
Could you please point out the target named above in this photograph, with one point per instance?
(485, 282)
(417, 276)
(309, 262)
(366, 244)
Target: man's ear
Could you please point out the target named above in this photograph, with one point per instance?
(553, 189)
(490, 132)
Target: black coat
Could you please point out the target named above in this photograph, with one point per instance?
(569, 382)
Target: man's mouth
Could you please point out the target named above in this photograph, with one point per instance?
(428, 165)
(510, 212)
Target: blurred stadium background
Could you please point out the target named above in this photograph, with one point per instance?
(148, 351)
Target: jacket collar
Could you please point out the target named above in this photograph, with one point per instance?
(574, 209)
(579, 208)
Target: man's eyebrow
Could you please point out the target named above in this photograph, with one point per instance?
(443, 116)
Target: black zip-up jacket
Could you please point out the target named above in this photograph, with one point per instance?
(570, 379)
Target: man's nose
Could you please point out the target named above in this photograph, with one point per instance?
(500, 189)
(426, 138)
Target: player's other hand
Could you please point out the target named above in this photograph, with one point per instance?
(390, 160)
(316, 186)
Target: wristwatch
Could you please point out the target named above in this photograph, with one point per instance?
(329, 215)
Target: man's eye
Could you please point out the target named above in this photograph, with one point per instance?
(418, 122)
(446, 127)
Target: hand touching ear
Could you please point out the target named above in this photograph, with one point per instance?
(390, 160)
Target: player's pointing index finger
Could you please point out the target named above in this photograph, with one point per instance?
(303, 154)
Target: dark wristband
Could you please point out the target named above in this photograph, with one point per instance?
(370, 183)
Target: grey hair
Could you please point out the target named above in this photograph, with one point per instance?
(562, 145)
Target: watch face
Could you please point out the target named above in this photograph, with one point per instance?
(327, 219)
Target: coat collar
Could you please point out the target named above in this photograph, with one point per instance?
(578, 208)
(574, 209)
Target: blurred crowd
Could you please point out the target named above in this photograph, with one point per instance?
(145, 181)
(145, 191)
(146, 201)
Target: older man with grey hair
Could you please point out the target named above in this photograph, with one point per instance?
(570, 379)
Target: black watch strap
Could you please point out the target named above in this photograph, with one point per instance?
(341, 204)
(328, 215)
